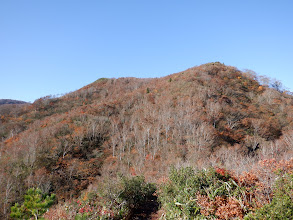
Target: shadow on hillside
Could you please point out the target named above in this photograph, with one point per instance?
(146, 211)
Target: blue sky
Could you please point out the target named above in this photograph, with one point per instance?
(50, 47)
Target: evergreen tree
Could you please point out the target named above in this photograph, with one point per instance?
(35, 205)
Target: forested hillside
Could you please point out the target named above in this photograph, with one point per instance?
(10, 101)
(226, 132)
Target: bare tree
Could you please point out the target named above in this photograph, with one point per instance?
(7, 195)
(213, 111)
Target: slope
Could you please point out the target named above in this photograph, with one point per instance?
(202, 116)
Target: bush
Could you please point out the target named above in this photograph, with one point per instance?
(281, 206)
(35, 205)
(117, 199)
(136, 192)
(190, 194)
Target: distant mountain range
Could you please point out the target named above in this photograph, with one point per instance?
(11, 101)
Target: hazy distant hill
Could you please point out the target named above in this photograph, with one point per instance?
(10, 101)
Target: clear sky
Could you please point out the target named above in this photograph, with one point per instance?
(50, 47)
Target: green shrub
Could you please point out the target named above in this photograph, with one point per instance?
(126, 196)
(281, 206)
(136, 192)
(179, 196)
(35, 205)
(101, 79)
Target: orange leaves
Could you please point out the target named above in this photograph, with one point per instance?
(230, 136)
(78, 131)
(248, 179)
(85, 196)
(223, 208)
(255, 190)
(260, 89)
(163, 180)
(230, 209)
(277, 167)
(57, 212)
(221, 171)
(208, 207)
(11, 140)
(148, 157)
(111, 160)
(132, 171)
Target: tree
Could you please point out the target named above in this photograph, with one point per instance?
(277, 85)
(35, 205)
(136, 192)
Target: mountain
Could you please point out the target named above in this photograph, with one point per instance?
(209, 115)
(10, 101)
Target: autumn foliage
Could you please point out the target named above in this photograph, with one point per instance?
(211, 115)
(219, 194)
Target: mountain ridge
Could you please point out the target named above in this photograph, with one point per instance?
(203, 116)
(11, 101)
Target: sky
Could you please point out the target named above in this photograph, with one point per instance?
(51, 47)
